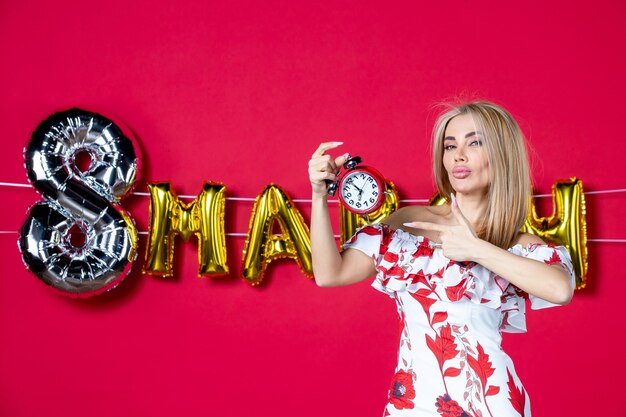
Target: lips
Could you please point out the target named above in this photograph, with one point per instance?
(461, 172)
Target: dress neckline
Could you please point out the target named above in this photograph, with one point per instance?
(517, 248)
(419, 238)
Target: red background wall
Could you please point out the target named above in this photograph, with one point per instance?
(243, 93)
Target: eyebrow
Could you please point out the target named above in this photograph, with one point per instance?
(478, 132)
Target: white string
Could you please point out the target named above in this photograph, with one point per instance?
(195, 196)
(12, 184)
(144, 194)
(619, 190)
(10, 232)
(139, 193)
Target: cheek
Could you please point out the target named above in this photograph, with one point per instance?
(487, 171)
(485, 161)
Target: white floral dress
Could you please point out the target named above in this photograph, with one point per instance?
(450, 362)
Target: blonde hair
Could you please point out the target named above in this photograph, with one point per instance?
(510, 190)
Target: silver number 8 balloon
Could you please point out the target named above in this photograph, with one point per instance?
(79, 240)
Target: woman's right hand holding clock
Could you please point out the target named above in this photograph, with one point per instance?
(329, 266)
(322, 167)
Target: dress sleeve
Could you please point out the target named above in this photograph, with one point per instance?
(367, 239)
(514, 300)
(550, 255)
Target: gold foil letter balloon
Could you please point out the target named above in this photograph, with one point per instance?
(262, 246)
(567, 225)
(169, 217)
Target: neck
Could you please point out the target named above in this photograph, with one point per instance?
(473, 207)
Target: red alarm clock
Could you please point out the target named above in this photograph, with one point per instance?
(361, 188)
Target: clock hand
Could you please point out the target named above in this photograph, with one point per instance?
(361, 192)
(358, 189)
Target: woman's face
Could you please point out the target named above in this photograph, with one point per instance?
(464, 157)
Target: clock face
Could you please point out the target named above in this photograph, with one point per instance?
(361, 192)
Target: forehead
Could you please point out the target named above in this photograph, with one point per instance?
(460, 125)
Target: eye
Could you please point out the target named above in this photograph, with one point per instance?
(449, 147)
(476, 142)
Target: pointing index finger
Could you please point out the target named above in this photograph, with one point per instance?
(456, 211)
(325, 146)
(427, 226)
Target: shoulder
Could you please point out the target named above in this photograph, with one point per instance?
(415, 213)
(526, 239)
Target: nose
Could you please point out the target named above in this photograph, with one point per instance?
(459, 154)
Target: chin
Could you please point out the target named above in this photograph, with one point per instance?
(467, 190)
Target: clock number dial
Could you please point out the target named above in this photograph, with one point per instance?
(360, 191)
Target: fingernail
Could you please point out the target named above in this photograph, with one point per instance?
(408, 224)
(338, 143)
(346, 155)
(454, 203)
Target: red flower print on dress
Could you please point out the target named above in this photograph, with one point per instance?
(443, 347)
(533, 246)
(391, 257)
(370, 230)
(395, 271)
(483, 369)
(456, 292)
(417, 278)
(447, 407)
(516, 396)
(401, 391)
(386, 238)
(554, 259)
(481, 365)
(423, 249)
(422, 297)
(439, 274)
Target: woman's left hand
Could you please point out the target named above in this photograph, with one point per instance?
(458, 242)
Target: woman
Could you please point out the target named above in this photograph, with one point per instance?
(459, 272)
